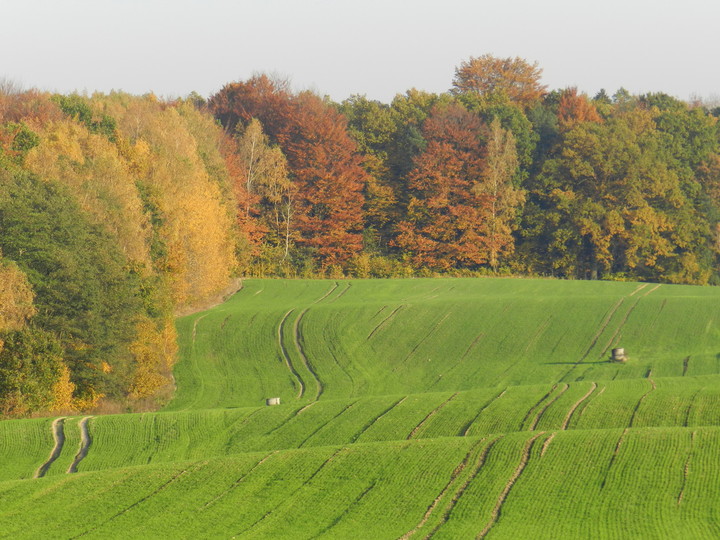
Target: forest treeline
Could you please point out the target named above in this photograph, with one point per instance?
(117, 210)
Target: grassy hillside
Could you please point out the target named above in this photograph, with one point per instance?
(320, 340)
(451, 408)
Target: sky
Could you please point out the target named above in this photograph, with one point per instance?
(378, 48)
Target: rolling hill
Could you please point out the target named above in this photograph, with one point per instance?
(450, 408)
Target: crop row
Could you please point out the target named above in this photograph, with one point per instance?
(302, 340)
(452, 488)
(136, 439)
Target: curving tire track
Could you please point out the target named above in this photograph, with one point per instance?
(459, 493)
(465, 430)
(375, 420)
(535, 407)
(291, 496)
(324, 296)
(347, 509)
(579, 402)
(286, 357)
(497, 511)
(127, 509)
(542, 411)
(547, 443)
(341, 294)
(686, 469)
(620, 440)
(422, 340)
(58, 432)
(430, 415)
(639, 403)
(298, 339)
(454, 477)
(238, 481)
(603, 326)
(384, 321)
(326, 424)
(85, 442)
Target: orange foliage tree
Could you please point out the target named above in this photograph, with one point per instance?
(575, 108)
(324, 165)
(487, 74)
(329, 179)
(446, 213)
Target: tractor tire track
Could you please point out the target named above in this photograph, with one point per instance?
(323, 297)
(196, 368)
(127, 509)
(614, 457)
(323, 426)
(85, 442)
(637, 405)
(384, 321)
(547, 443)
(616, 336)
(459, 362)
(640, 288)
(345, 371)
(686, 469)
(378, 312)
(603, 325)
(536, 420)
(497, 511)
(575, 405)
(342, 293)
(375, 420)
(453, 478)
(58, 433)
(460, 492)
(238, 481)
(425, 337)
(686, 420)
(195, 325)
(289, 419)
(297, 337)
(541, 329)
(430, 415)
(290, 497)
(466, 428)
(300, 384)
(534, 407)
(585, 404)
(347, 509)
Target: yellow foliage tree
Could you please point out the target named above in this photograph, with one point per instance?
(91, 166)
(63, 401)
(16, 298)
(193, 211)
(155, 350)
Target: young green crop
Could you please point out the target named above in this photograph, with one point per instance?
(444, 407)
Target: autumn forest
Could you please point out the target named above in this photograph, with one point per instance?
(117, 211)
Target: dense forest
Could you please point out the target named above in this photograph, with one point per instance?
(117, 211)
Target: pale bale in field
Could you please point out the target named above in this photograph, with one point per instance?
(272, 401)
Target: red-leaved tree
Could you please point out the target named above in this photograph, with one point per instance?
(329, 178)
(446, 214)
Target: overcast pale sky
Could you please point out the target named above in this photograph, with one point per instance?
(373, 47)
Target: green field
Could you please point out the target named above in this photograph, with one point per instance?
(450, 408)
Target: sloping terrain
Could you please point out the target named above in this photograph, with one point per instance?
(451, 408)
